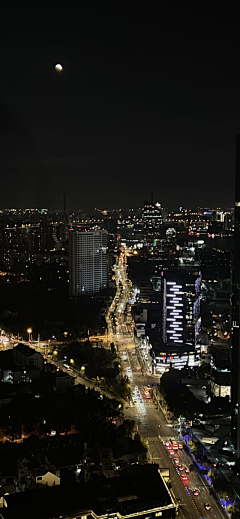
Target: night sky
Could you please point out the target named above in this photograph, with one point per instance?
(149, 101)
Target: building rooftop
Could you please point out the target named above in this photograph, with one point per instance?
(25, 350)
(37, 464)
(180, 275)
(137, 489)
(6, 361)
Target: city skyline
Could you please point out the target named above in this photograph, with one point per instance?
(119, 261)
(147, 101)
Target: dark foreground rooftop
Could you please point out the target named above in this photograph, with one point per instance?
(139, 489)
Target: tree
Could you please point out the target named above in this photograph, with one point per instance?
(194, 447)
(223, 488)
(235, 511)
(127, 428)
(139, 449)
(113, 349)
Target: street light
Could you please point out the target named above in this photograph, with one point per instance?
(29, 331)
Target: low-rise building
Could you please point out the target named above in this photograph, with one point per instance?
(25, 356)
(139, 492)
(36, 470)
(221, 373)
(13, 373)
(62, 381)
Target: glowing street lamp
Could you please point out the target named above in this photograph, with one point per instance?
(29, 331)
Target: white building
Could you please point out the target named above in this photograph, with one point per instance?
(48, 479)
(36, 470)
(87, 261)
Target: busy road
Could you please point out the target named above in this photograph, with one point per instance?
(189, 488)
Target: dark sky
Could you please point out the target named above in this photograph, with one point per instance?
(149, 101)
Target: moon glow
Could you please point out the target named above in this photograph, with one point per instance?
(58, 67)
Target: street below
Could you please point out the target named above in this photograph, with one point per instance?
(150, 420)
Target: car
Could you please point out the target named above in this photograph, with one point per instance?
(169, 446)
(171, 452)
(187, 470)
(167, 443)
(196, 492)
(176, 460)
(207, 507)
(181, 467)
(180, 446)
(175, 447)
(184, 477)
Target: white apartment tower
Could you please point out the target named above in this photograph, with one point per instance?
(87, 261)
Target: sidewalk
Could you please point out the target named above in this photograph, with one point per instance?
(157, 397)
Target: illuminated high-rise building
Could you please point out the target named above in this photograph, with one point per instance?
(152, 220)
(152, 215)
(88, 269)
(181, 320)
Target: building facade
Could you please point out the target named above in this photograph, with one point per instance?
(25, 356)
(152, 214)
(181, 320)
(88, 267)
(36, 470)
(235, 337)
(152, 222)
